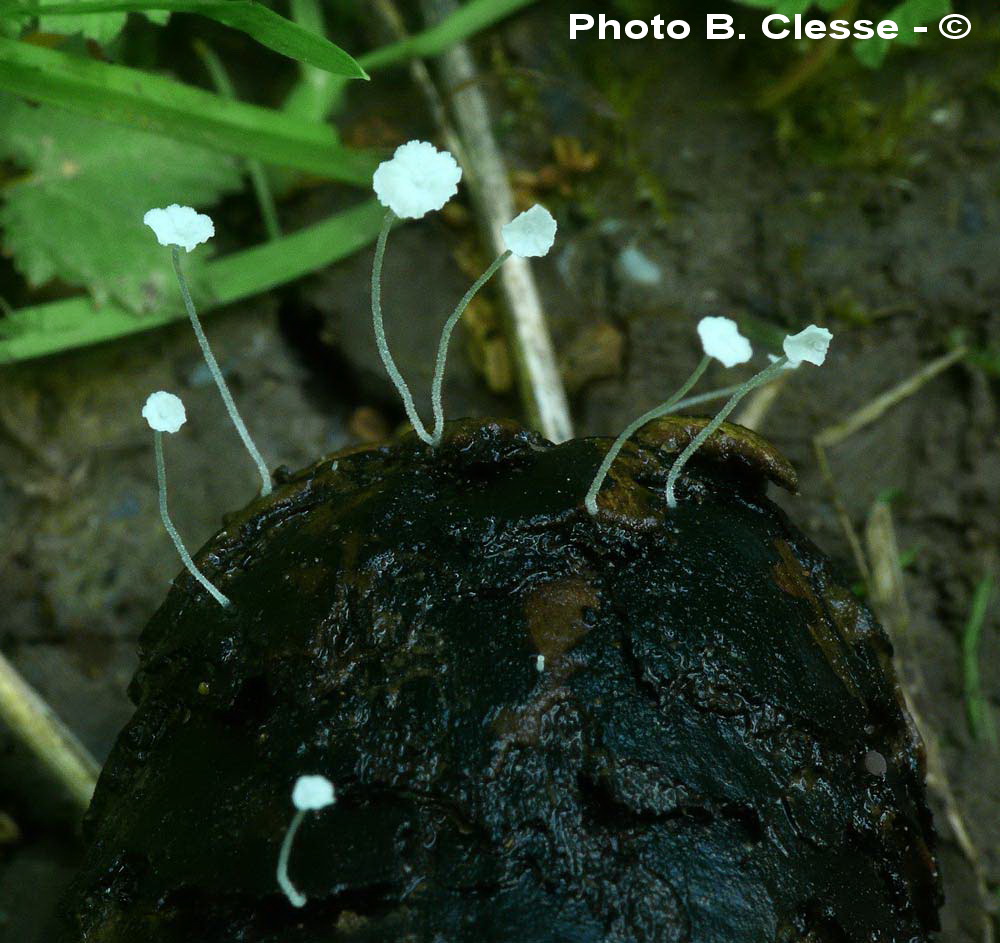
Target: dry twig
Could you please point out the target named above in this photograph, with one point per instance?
(36, 724)
(882, 572)
(538, 373)
(858, 420)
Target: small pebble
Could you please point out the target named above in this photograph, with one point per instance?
(637, 267)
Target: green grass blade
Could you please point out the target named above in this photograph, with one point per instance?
(976, 706)
(255, 169)
(153, 103)
(314, 87)
(46, 329)
(254, 19)
(473, 17)
(274, 263)
(460, 25)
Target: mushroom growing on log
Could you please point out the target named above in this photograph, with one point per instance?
(713, 748)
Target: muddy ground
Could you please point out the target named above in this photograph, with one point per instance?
(868, 202)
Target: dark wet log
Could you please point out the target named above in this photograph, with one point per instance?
(701, 760)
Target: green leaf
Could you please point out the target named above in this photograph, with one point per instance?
(907, 15)
(152, 103)
(977, 705)
(917, 13)
(77, 322)
(785, 7)
(469, 19)
(314, 87)
(76, 212)
(466, 21)
(102, 28)
(252, 18)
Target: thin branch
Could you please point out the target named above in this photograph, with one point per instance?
(67, 760)
(540, 382)
(858, 420)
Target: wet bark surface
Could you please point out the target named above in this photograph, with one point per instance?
(715, 749)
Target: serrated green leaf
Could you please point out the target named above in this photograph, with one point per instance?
(76, 322)
(76, 212)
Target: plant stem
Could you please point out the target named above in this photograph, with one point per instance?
(723, 393)
(161, 479)
(488, 181)
(380, 341)
(720, 417)
(976, 706)
(255, 169)
(297, 898)
(213, 367)
(810, 65)
(32, 720)
(449, 326)
(595, 486)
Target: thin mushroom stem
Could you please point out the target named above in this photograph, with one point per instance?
(380, 341)
(220, 382)
(595, 486)
(442, 353)
(295, 896)
(722, 393)
(161, 478)
(763, 377)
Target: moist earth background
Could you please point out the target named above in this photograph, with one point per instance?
(677, 198)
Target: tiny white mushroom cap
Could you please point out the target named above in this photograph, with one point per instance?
(721, 339)
(177, 225)
(164, 412)
(531, 234)
(417, 180)
(312, 792)
(810, 345)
